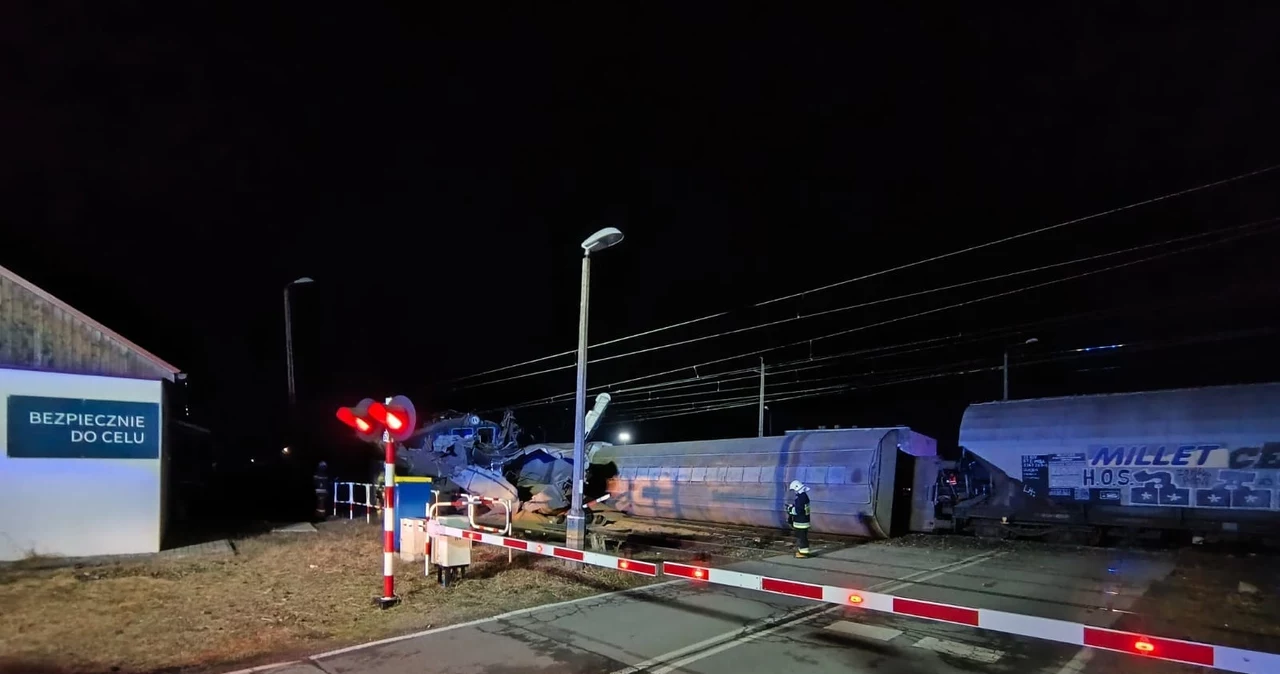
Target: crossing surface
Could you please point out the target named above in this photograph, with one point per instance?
(711, 629)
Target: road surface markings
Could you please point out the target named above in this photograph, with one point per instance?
(1078, 663)
(956, 648)
(872, 632)
(512, 614)
(708, 647)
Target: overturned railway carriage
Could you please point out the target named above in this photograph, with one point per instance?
(861, 479)
(1204, 461)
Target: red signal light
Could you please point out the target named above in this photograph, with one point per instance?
(1144, 646)
(346, 416)
(392, 418)
(359, 420)
(397, 416)
(855, 599)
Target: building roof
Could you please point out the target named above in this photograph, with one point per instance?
(44, 295)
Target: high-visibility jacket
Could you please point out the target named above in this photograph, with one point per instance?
(799, 511)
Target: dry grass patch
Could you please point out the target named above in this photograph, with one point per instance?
(282, 596)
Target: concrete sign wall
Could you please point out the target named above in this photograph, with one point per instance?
(80, 466)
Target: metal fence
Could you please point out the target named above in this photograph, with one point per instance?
(363, 495)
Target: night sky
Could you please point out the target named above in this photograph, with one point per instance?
(167, 170)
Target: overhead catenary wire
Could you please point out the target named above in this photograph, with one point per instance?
(644, 402)
(1070, 354)
(883, 300)
(883, 351)
(928, 312)
(935, 258)
(776, 389)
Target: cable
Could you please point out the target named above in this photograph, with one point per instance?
(861, 305)
(926, 312)
(1033, 232)
(908, 265)
(1062, 355)
(573, 351)
(774, 392)
(885, 351)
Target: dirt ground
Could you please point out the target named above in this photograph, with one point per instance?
(1222, 597)
(281, 596)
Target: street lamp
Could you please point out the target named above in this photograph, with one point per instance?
(576, 525)
(624, 437)
(288, 334)
(1005, 369)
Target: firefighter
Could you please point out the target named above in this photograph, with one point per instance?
(798, 517)
(320, 483)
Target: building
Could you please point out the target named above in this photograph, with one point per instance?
(83, 430)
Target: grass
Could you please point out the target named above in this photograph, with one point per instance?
(282, 596)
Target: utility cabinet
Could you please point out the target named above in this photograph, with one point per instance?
(450, 556)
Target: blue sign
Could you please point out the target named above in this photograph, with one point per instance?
(74, 428)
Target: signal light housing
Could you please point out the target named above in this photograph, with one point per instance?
(398, 417)
(358, 418)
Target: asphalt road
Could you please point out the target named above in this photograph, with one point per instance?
(679, 627)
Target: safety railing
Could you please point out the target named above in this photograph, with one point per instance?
(473, 501)
(370, 501)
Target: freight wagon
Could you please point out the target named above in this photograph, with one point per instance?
(1204, 462)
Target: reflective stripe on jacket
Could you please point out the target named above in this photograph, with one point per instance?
(799, 511)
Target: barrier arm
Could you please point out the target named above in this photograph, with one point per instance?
(1079, 634)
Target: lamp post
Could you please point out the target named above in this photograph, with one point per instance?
(288, 335)
(576, 525)
(1005, 369)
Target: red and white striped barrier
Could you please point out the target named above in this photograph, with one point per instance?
(548, 550)
(1061, 631)
(369, 504)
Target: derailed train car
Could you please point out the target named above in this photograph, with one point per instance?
(1202, 461)
(1205, 461)
(860, 479)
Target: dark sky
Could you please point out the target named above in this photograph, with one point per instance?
(168, 169)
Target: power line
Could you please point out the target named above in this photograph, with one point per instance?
(927, 312)
(908, 265)
(1070, 354)
(1033, 232)
(885, 351)
(862, 305)
(573, 351)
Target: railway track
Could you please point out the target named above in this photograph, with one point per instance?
(681, 540)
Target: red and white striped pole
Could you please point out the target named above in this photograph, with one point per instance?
(389, 597)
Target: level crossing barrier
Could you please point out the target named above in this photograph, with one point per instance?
(1189, 652)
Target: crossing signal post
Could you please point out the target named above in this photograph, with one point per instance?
(390, 422)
